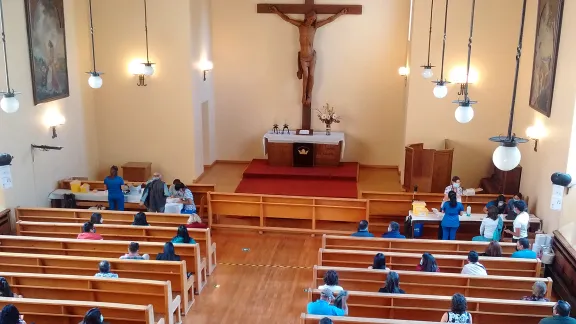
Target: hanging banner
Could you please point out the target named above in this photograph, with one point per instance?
(5, 177)
(557, 195)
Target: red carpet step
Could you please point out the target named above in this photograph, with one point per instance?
(261, 169)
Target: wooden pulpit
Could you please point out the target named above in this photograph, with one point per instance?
(429, 169)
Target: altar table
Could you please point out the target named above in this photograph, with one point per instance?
(283, 149)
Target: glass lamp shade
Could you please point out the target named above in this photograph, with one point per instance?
(403, 71)
(95, 81)
(9, 104)
(148, 69)
(440, 91)
(506, 158)
(427, 73)
(464, 114)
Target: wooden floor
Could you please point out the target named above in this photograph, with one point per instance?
(226, 176)
(260, 279)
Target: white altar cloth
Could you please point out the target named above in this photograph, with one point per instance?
(319, 137)
(92, 196)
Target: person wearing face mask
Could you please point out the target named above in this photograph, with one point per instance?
(456, 187)
(393, 231)
(521, 222)
(155, 194)
(499, 203)
(511, 215)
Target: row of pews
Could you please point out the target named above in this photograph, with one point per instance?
(495, 298)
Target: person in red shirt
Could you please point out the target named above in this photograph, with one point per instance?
(194, 221)
(89, 232)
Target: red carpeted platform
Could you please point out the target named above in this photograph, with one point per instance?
(338, 182)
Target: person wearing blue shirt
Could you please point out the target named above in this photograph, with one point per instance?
(393, 231)
(323, 307)
(114, 185)
(499, 203)
(560, 314)
(511, 215)
(363, 230)
(451, 220)
(523, 250)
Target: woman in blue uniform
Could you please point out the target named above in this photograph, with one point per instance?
(451, 220)
(114, 185)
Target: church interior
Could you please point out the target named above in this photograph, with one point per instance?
(289, 131)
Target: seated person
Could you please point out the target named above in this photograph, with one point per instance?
(493, 250)
(363, 230)
(11, 315)
(392, 285)
(194, 221)
(474, 267)
(322, 306)
(133, 254)
(427, 264)
(104, 268)
(457, 313)
(560, 314)
(511, 215)
(93, 316)
(393, 231)
(379, 262)
(182, 236)
(326, 320)
(168, 254)
(173, 192)
(523, 250)
(331, 281)
(140, 220)
(499, 203)
(5, 290)
(186, 199)
(89, 232)
(96, 218)
(538, 292)
(491, 227)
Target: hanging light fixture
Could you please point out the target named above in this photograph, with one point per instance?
(464, 113)
(148, 68)
(507, 156)
(95, 81)
(9, 103)
(427, 73)
(440, 90)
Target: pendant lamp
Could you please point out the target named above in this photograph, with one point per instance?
(95, 81)
(507, 156)
(9, 103)
(148, 67)
(440, 90)
(464, 113)
(427, 73)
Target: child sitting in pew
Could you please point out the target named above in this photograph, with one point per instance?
(331, 281)
(104, 268)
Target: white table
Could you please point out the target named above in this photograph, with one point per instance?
(318, 137)
(92, 196)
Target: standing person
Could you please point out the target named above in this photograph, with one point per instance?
(392, 285)
(491, 226)
(114, 185)
(521, 222)
(499, 203)
(363, 230)
(393, 231)
(523, 250)
(155, 194)
(560, 314)
(456, 187)
(457, 313)
(186, 199)
(511, 212)
(451, 221)
(322, 306)
(182, 236)
(474, 267)
(89, 233)
(173, 192)
(428, 263)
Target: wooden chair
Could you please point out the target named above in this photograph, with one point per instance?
(315, 319)
(446, 263)
(104, 249)
(285, 214)
(422, 307)
(440, 284)
(107, 290)
(168, 271)
(410, 246)
(122, 233)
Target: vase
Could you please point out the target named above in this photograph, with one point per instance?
(328, 129)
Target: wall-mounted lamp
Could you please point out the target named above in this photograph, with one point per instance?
(458, 76)
(54, 119)
(206, 66)
(535, 133)
(404, 71)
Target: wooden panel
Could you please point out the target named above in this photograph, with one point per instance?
(442, 170)
(279, 154)
(305, 8)
(314, 319)
(563, 270)
(137, 171)
(5, 226)
(327, 154)
(408, 168)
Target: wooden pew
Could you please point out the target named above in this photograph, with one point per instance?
(410, 246)
(315, 319)
(104, 249)
(440, 284)
(122, 233)
(423, 307)
(287, 214)
(45, 311)
(446, 263)
(170, 271)
(199, 191)
(5, 227)
(107, 290)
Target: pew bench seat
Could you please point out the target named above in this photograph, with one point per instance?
(315, 319)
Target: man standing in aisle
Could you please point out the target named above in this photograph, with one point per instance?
(155, 194)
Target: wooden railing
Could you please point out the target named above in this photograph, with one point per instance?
(563, 270)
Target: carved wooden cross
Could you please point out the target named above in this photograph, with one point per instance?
(305, 62)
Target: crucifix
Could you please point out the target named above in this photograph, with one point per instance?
(307, 29)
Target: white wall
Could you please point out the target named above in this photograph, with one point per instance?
(255, 57)
(34, 181)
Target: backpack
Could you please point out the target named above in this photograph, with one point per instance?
(69, 201)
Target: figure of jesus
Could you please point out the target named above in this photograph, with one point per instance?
(307, 54)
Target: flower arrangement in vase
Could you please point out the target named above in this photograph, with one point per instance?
(328, 117)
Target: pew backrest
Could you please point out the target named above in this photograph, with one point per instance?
(410, 246)
(315, 319)
(47, 311)
(447, 263)
(440, 284)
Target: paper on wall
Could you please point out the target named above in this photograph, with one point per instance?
(557, 195)
(5, 177)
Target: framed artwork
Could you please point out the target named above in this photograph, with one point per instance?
(546, 54)
(47, 46)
